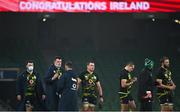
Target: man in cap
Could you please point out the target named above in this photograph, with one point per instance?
(145, 86)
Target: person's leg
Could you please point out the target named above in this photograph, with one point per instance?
(29, 101)
(92, 103)
(166, 103)
(124, 104)
(85, 107)
(164, 108)
(91, 107)
(85, 104)
(132, 105)
(170, 102)
(162, 101)
(29, 107)
(124, 107)
(131, 102)
(170, 107)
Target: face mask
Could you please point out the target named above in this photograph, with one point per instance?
(30, 68)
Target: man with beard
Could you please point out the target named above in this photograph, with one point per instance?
(165, 86)
(90, 83)
(126, 82)
(145, 86)
(30, 92)
(51, 78)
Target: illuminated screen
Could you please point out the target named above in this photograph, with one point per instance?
(89, 6)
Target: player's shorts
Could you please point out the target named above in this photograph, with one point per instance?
(166, 99)
(89, 100)
(125, 98)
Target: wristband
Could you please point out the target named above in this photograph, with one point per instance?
(101, 96)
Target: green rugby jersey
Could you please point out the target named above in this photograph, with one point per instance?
(166, 76)
(89, 84)
(31, 83)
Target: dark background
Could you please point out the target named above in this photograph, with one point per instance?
(111, 39)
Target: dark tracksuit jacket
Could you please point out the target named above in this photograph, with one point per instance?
(21, 87)
(145, 83)
(51, 87)
(67, 87)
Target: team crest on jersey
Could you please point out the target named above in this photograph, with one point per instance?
(31, 79)
(86, 77)
(94, 77)
(90, 81)
(166, 75)
(31, 82)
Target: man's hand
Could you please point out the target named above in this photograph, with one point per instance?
(100, 104)
(148, 94)
(134, 79)
(101, 99)
(172, 87)
(19, 97)
(55, 76)
(43, 97)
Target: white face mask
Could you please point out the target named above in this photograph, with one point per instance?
(30, 68)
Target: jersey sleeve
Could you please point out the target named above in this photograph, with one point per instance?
(123, 76)
(97, 77)
(160, 74)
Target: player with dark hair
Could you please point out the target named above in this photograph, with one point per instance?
(55, 71)
(90, 82)
(165, 85)
(30, 92)
(67, 88)
(126, 82)
(145, 86)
